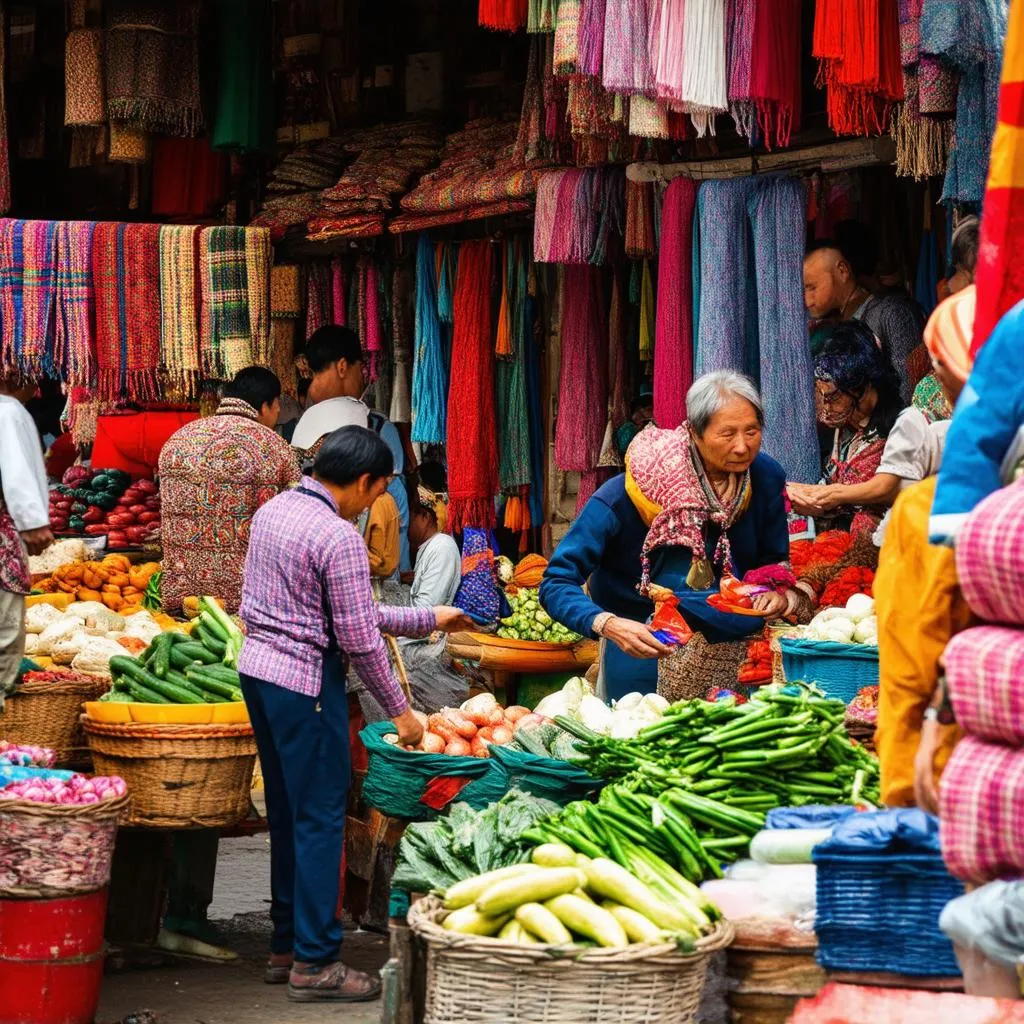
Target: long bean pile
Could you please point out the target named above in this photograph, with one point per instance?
(696, 786)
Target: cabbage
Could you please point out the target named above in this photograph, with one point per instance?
(656, 703)
(838, 630)
(866, 629)
(553, 704)
(629, 702)
(827, 614)
(595, 714)
(860, 606)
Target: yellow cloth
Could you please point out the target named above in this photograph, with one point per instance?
(919, 607)
(382, 537)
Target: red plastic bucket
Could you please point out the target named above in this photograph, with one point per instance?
(51, 959)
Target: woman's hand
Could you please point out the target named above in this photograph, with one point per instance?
(806, 498)
(634, 638)
(772, 605)
(408, 727)
(451, 620)
(925, 795)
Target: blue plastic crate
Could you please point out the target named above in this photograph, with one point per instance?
(840, 670)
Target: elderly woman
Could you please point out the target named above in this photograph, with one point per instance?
(858, 398)
(694, 503)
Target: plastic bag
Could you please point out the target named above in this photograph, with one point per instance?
(777, 892)
(668, 624)
(811, 816)
(891, 832)
(546, 777)
(787, 845)
(989, 919)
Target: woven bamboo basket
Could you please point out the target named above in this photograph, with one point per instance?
(47, 715)
(56, 850)
(473, 980)
(776, 634)
(180, 776)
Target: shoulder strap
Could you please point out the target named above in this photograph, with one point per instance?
(375, 421)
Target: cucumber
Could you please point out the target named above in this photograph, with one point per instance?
(209, 684)
(225, 673)
(463, 893)
(544, 884)
(197, 652)
(182, 681)
(213, 628)
(588, 920)
(175, 694)
(180, 658)
(539, 921)
(161, 660)
(138, 676)
(142, 695)
(208, 640)
(554, 855)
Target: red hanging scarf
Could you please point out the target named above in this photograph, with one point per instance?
(472, 431)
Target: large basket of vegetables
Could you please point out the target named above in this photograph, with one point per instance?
(58, 834)
(180, 776)
(45, 712)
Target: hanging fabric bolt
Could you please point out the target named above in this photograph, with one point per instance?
(76, 311)
(429, 374)
(179, 307)
(646, 314)
(373, 339)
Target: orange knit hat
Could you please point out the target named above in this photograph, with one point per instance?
(949, 330)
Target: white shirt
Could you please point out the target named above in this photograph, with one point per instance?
(328, 416)
(438, 572)
(22, 472)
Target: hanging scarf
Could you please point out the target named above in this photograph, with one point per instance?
(647, 308)
(673, 346)
(5, 164)
(152, 59)
(75, 338)
(741, 20)
(179, 307)
(318, 297)
(541, 15)
(108, 274)
(502, 15)
(39, 289)
(429, 373)
(373, 340)
(626, 63)
(472, 439)
(12, 269)
(338, 291)
(775, 73)
(513, 417)
(567, 30)
(141, 338)
(402, 298)
(591, 37)
(579, 429)
(1000, 270)
(258, 258)
(548, 190)
(777, 216)
(226, 303)
(85, 97)
(640, 236)
(668, 485)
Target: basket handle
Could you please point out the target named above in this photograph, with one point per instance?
(396, 657)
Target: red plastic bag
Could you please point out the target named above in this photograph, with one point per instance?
(668, 624)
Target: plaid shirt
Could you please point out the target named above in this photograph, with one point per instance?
(304, 559)
(985, 675)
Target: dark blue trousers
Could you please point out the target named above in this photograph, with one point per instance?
(304, 755)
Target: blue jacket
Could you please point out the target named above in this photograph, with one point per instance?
(987, 432)
(603, 546)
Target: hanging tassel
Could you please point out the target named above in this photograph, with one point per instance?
(646, 314)
(502, 15)
(445, 277)
(503, 344)
(429, 374)
(338, 291)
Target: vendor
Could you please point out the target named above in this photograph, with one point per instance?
(641, 413)
(308, 610)
(693, 502)
(857, 396)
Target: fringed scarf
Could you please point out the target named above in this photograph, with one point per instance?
(741, 21)
(373, 335)
(775, 74)
(338, 291)
(402, 297)
(668, 485)
(502, 15)
(777, 216)
(579, 430)
(673, 347)
(108, 274)
(858, 49)
(319, 287)
(141, 330)
(694, 71)
(429, 373)
(591, 37)
(620, 385)
(548, 190)
(540, 15)
(258, 258)
(626, 63)
(85, 97)
(1000, 270)
(640, 238)
(75, 340)
(567, 38)
(226, 302)
(472, 438)
(179, 307)
(39, 290)
(152, 63)
(12, 268)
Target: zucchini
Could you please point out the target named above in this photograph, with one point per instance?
(515, 932)
(161, 660)
(197, 652)
(208, 684)
(637, 927)
(143, 695)
(588, 920)
(610, 880)
(181, 658)
(541, 885)
(538, 920)
(463, 893)
(208, 640)
(469, 921)
(554, 855)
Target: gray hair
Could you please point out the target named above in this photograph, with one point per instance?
(708, 394)
(965, 244)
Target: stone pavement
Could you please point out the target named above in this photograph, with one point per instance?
(193, 992)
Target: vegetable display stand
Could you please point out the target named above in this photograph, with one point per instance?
(51, 959)
(840, 670)
(179, 776)
(46, 714)
(474, 980)
(497, 654)
(52, 850)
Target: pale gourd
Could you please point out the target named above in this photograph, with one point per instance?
(94, 657)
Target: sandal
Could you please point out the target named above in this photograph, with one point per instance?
(336, 983)
(278, 969)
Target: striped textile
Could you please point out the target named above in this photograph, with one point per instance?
(985, 671)
(107, 272)
(1000, 271)
(179, 307)
(626, 66)
(258, 259)
(141, 324)
(75, 335)
(990, 557)
(39, 289)
(981, 810)
(12, 321)
(225, 302)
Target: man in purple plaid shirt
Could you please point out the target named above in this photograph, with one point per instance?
(308, 609)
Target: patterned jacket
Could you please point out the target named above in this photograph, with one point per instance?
(214, 474)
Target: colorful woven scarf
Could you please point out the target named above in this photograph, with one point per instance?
(591, 41)
(12, 320)
(673, 346)
(1000, 270)
(75, 341)
(502, 15)
(84, 91)
(626, 65)
(513, 416)
(930, 399)
(258, 258)
(141, 345)
(429, 373)
(152, 59)
(111, 309)
(318, 297)
(5, 164)
(775, 73)
(226, 304)
(39, 289)
(338, 291)
(667, 482)
(179, 307)
(373, 335)
(472, 438)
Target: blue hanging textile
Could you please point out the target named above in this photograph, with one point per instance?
(429, 400)
(926, 284)
(478, 594)
(776, 210)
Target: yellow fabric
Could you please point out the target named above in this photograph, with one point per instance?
(919, 607)
(382, 537)
(649, 510)
(1006, 170)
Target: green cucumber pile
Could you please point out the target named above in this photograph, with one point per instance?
(184, 669)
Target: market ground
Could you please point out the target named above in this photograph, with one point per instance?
(197, 993)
